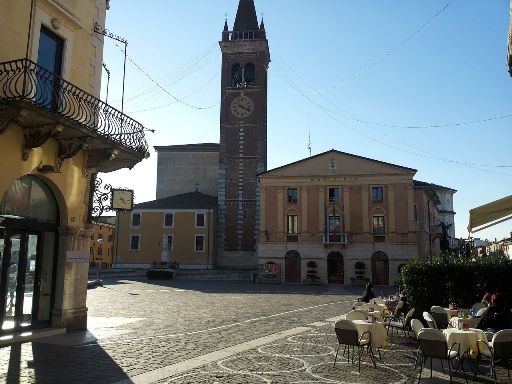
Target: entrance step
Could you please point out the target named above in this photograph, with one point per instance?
(212, 274)
(26, 336)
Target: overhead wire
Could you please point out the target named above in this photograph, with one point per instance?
(390, 52)
(333, 114)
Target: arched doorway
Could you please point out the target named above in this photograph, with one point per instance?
(29, 217)
(292, 267)
(335, 268)
(380, 269)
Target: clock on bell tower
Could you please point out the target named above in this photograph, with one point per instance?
(243, 136)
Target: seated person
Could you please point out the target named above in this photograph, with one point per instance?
(368, 293)
(495, 316)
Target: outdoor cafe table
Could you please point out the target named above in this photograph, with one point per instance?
(466, 338)
(472, 322)
(377, 330)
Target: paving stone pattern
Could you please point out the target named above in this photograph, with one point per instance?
(201, 332)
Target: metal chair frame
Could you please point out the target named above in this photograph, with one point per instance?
(347, 335)
(434, 345)
(496, 350)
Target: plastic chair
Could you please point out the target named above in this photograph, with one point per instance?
(440, 316)
(430, 320)
(347, 335)
(356, 314)
(416, 327)
(500, 348)
(401, 325)
(433, 345)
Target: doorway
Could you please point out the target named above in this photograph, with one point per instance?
(28, 234)
(292, 267)
(335, 268)
(380, 269)
(19, 273)
(49, 57)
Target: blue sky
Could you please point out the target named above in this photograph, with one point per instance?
(423, 84)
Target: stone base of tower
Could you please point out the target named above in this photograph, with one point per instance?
(236, 259)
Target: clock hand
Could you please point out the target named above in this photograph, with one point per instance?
(244, 108)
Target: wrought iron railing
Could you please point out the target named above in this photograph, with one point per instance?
(25, 80)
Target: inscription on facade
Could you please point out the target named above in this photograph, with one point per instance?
(333, 178)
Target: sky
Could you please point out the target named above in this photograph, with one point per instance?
(421, 84)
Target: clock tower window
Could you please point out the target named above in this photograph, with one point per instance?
(236, 75)
(249, 78)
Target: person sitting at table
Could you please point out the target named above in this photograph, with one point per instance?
(494, 317)
(487, 301)
(368, 293)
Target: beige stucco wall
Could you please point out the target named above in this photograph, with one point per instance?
(83, 49)
(82, 67)
(152, 231)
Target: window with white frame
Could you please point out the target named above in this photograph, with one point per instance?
(169, 219)
(200, 220)
(292, 224)
(136, 218)
(199, 243)
(378, 225)
(134, 242)
(168, 241)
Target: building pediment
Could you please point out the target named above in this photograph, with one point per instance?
(335, 164)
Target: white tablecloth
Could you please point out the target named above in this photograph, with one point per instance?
(467, 338)
(454, 321)
(379, 334)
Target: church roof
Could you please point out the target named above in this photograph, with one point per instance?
(189, 200)
(246, 19)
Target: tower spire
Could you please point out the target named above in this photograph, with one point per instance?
(246, 19)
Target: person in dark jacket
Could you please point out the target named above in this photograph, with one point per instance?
(368, 293)
(495, 317)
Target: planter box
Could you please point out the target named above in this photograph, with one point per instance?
(159, 274)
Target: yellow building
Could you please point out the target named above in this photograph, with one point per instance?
(55, 136)
(177, 229)
(102, 242)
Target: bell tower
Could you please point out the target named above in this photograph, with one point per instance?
(243, 137)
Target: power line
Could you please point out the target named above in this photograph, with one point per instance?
(333, 114)
(388, 53)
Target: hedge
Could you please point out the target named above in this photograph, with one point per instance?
(460, 281)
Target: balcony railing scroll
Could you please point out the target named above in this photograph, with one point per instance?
(24, 80)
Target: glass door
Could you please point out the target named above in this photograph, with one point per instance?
(17, 291)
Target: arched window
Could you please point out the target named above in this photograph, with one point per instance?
(30, 198)
(236, 75)
(249, 74)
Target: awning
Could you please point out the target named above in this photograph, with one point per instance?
(490, 213)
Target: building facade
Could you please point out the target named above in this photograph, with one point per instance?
(243, 137)
(179, 229)
(55, 135)
(339, 218)
(185, 168)
(102, 243)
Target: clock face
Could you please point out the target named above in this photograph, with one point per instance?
(242, 106)
(122, 199)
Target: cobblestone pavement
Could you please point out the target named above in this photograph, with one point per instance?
(210, 332)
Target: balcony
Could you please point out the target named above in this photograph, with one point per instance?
(47, 106)
(336, 239)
